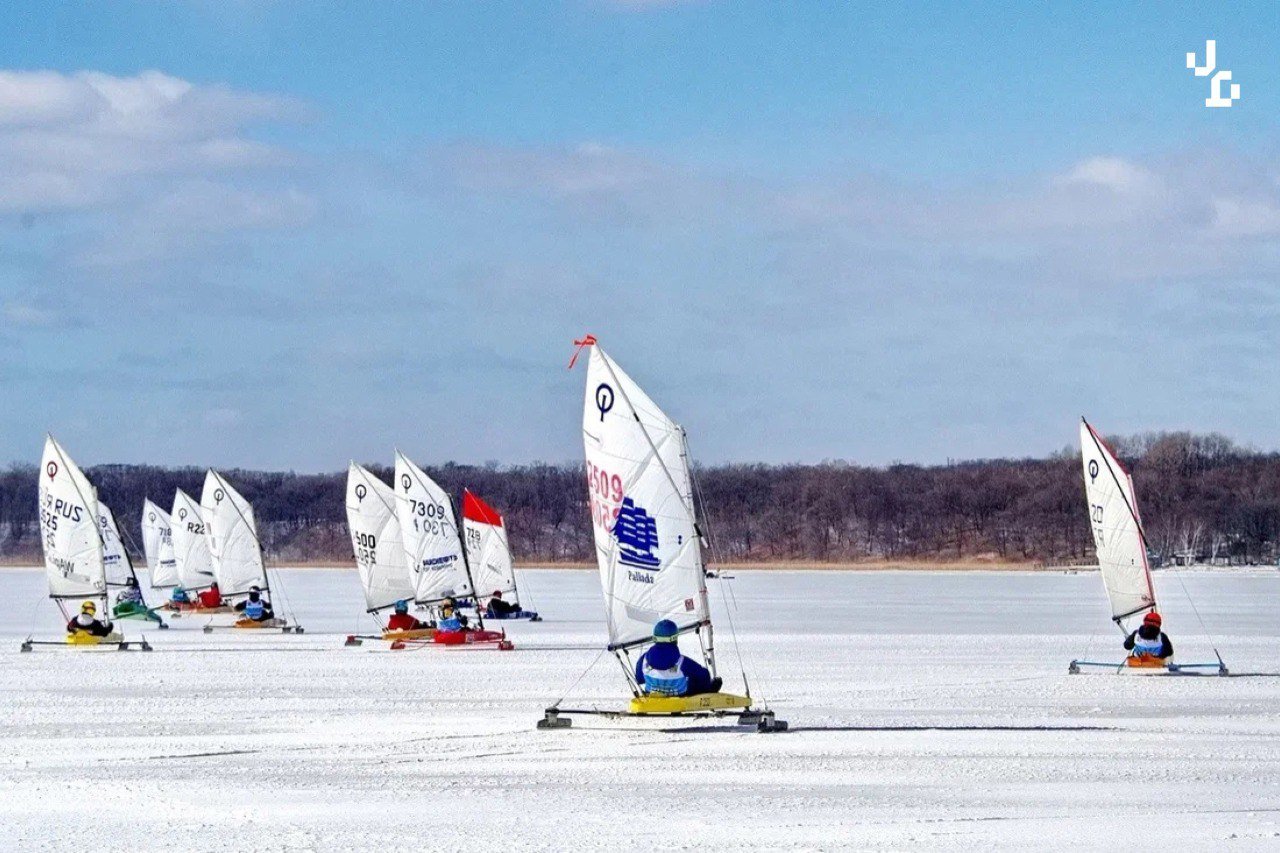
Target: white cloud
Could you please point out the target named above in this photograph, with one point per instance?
(28, 315)
(1112, 172)
(78, 141)
(1236, 217)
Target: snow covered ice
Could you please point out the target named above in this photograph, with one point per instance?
(928, 710)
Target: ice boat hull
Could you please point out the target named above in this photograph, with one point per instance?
(1147, 665)
(416, 634)
(703, 703)
(82, 638)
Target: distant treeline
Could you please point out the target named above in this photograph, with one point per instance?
(1201, 498)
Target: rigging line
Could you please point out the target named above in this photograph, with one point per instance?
(1213, 641)
(578, 680)
(730, 609)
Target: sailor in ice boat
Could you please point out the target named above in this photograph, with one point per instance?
(451, 621)
(256, 607)
(179, 597)
(129, 603)
(129, 600)
(663, 671)
(500, 609)
(403, 620)
(1149, 646)
(86, 623)
(211, 597)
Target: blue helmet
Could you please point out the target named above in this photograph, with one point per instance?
(665, 632)
(402, 606)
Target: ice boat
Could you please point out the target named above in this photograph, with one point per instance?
(192, 562)
(72, 528)
(236, 552)
(1121, 545)
(489, 555)
(120, 571)
(648, 542)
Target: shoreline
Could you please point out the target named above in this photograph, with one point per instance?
(959, 566)
(773, 565)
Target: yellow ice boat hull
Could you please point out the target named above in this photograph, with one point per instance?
(416, 634)
(84, 638)
(703, 703)
(253, 624)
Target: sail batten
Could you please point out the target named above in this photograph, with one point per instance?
(70, 528)
(643, 519)
(233, 537)
(376, 540)
(1118, 536)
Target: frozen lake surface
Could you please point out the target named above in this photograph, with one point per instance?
(928, 711)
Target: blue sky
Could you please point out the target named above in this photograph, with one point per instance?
(284, 234)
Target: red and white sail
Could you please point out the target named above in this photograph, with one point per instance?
(488, 550)
(642, 510)
(1117, 528)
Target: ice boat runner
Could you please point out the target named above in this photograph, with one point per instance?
(1121, 545)
(380, 555)
(489, 553)
(121, 576)
(649, 550)
(238, 565)
(435, 554)
(71, 534)
(192, 562)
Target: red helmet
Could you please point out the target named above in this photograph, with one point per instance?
(1152, 618)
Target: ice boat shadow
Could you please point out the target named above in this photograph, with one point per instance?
(924, 727)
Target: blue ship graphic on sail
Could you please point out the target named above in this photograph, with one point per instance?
(637, 535)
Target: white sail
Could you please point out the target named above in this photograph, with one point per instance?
(647, 542)
(115, 557)
(1117, 528)
(431, 541)
(69, 528)
(488, 551)
(191, 556)
(157, 545)
(233, 537)
(376, 540)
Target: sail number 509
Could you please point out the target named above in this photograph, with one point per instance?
(605, 491)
